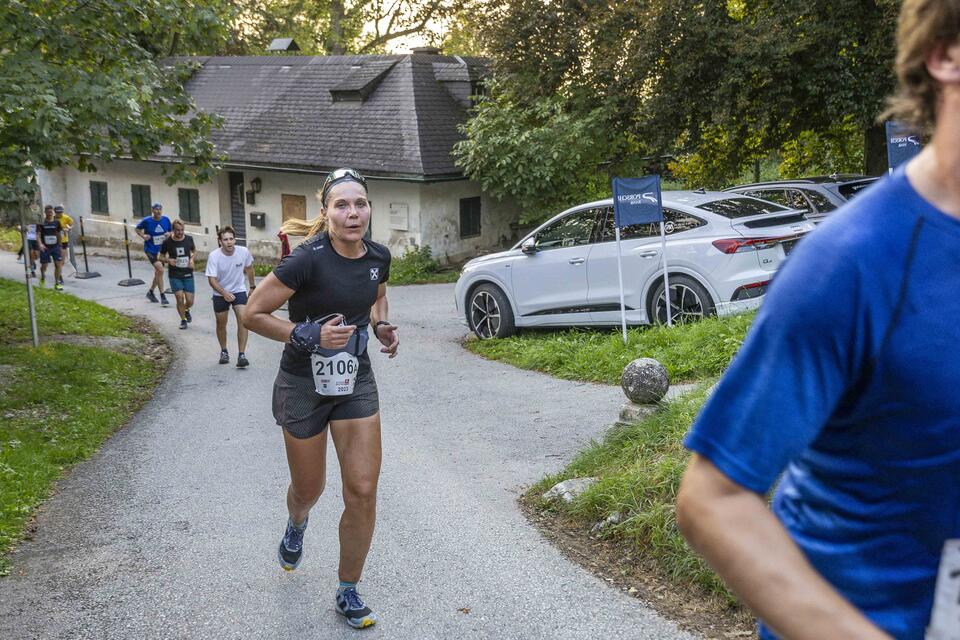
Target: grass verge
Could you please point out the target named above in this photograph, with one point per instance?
(639, 467)
(59, 402)
(689, 352)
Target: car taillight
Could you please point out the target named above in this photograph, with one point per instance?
(735, 245)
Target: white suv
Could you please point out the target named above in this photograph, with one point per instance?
(722, 251)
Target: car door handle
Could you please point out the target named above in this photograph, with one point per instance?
(649, 254)
(577, 260)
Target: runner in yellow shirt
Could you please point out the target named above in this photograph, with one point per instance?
(66, 223)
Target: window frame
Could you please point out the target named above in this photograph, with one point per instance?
(593, 237)
(139, 188)
(468, 202)
(193, 196)
(101, 197)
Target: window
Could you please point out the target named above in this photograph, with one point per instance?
(571, 231)
(190, 205)
(819, 201)
(851, 189)
(141, 199)
(98, 197)
(469, 217)
(673, 222)
(740, 207)
(772, 195)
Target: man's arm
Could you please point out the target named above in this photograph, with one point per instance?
(735, 531)
(251, 282)
(386, 334)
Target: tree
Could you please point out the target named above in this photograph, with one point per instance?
(715, 84)
(83, 83)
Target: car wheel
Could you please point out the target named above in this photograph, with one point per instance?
(489, 313)
(689, 302)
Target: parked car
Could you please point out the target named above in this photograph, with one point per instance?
(722, 251)
(816, 196)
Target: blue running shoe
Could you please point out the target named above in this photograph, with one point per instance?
(350, 605)
(291, 546)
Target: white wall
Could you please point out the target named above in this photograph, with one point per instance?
(440, 215)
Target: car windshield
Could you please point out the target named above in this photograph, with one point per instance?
(853, 188)
(741, 207)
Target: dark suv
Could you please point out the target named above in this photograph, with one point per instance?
(815, 196)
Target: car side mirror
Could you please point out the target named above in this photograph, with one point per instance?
(529, 246)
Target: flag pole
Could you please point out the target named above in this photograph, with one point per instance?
(663, 251)
(623, 308)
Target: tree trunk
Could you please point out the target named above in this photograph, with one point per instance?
(333, 43)
(875, 150)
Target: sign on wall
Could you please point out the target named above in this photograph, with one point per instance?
(399, 216)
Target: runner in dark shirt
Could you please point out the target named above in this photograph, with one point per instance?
(335, 282)
(48, 236)
(178, 251)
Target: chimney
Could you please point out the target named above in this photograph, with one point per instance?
(429, 51)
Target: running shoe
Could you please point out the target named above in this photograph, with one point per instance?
(183, 324)
(224, 356)
(189, 317)
(58, 287)
(242, 361)
(350, 605)
(291, 546)
(164, 301)
(151, 297)
(33, 273)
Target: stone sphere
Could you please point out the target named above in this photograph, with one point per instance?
(645, 381)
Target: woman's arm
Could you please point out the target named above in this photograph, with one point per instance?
(270, 296)
(385, 333)
(743, 541)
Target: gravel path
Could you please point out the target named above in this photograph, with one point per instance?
(171, 530)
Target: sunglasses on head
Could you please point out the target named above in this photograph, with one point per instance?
(338, 176)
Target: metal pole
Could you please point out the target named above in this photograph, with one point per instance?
(131, 281)
(32, 307)
(86, 264)
(623, 308)
(663, 249)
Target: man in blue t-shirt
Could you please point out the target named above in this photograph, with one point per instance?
(845, 392)
(154, 229)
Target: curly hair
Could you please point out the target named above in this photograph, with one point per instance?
(923, 26)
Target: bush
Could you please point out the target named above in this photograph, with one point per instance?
(417, 265)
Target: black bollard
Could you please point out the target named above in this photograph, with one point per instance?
(86, 264)
(131, 281)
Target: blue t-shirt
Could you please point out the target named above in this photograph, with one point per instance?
(847, 385)
(156, 230)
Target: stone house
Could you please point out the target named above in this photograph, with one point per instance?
(288, 122)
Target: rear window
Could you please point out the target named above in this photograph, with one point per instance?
(740, 207)
(852, 189)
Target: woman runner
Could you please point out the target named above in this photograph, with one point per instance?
(335, 282)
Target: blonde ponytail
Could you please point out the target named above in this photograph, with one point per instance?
(298, 227)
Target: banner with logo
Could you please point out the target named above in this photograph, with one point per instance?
(903, 142)
(636, 201)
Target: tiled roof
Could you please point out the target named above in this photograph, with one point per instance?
(390, 115)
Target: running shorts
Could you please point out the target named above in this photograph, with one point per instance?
(152, 257)
(304, 413)
(220, 304)
(50, 254)
(181, 284)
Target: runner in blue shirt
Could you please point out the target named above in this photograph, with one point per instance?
(845, 392)
(154, 229)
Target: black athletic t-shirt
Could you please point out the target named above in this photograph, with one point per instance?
(49, 233)
(179, 249)
(325, 282)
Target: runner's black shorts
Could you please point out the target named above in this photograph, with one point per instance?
(304, 413)
(220, 303)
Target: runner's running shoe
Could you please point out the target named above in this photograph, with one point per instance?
(58, 287)
(164, 301)
(291, 546)
(189, 317)
(242, 361)
(224, 356)
(183, 324)
(350, 605)
(151, 297)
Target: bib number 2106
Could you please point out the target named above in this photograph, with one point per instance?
(334, 375)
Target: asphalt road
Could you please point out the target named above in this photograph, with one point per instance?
(171, 530)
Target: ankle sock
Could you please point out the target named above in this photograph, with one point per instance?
(346, 585)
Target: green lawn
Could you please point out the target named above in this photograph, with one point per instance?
(689, 352)
(639, 467)
(59, 402)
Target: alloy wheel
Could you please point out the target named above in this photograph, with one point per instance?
(685, 306)
(485, 315)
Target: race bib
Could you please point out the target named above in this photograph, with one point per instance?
(945, 620)
(334, 375)
(50, 240)
(158, 240)
(183, 262)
